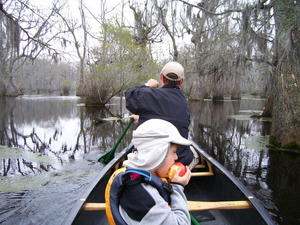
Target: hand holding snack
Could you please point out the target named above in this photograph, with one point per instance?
(179, 173)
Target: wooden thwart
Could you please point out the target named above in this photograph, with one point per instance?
(200, 166)
(193, 205)
(93, 206)
(203, 174)
(200, 205)
(201, 163)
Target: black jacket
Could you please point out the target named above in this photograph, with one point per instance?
(167, 103)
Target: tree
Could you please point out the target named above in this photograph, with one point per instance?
(80, 43)
(286, 99)
(169, 28)
(119, 63)
(146, 29)
(215, 39)
(275, 47)
(45, 76)
(24, 32)
(9, 47)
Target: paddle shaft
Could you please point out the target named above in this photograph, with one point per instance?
(122, 136)
(110, 155)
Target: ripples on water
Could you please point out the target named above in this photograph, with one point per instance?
(52, 196)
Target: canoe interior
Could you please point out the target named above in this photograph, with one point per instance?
(218, 188)
(208, 188)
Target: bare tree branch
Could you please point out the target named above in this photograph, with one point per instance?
(259, 5)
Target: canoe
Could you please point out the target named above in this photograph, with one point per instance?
(214, 196)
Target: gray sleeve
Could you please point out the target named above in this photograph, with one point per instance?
(163, 214)
(179, 204)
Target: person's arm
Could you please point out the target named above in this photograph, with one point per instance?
(179, 204)
(134, 96)
(162, 214)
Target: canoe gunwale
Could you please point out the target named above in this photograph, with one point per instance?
(250, 197)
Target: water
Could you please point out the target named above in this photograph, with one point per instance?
(226, 131)
(50, 199)
(63, 141)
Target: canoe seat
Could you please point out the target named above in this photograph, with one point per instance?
(193, 205)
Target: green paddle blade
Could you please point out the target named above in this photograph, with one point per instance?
(106, 158)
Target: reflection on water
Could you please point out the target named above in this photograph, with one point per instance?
(271, 176)
(58, 127)
(63, 139)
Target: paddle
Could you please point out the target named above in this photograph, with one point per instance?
(113, 118)
(194, 220)
(107, 157)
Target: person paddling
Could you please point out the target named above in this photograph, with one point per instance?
(167, 103)
(140, 193)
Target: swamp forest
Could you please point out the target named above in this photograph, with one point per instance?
(64, 66)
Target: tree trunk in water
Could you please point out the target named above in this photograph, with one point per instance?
(217, 84)
(80, 86)
(286, 108)
(268, 108)
(236, 76)
(8, 88)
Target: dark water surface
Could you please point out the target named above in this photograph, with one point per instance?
(55, 142)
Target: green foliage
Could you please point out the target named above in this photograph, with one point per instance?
(120, 63)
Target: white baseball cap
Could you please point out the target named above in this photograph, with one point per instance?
(173, 67)
(152, 140)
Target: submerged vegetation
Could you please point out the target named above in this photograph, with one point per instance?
(250, 114)
(249, 117)
(257, 142)
(292, 147)
(15, 153)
